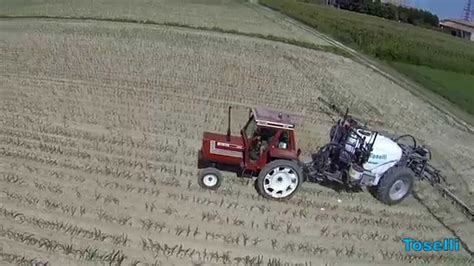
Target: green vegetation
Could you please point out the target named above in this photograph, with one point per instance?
(389, 11)
(456, 87)
(384, 39)
(434, 59)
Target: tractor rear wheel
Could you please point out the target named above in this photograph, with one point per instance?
(210, 178)
(396, 184)
(280, 179)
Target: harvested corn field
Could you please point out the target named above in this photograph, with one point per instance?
(100, 128)
(227, 15)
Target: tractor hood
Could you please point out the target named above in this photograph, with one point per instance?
(235, 143)
(216, 148)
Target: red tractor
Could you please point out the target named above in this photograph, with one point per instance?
(266, 148)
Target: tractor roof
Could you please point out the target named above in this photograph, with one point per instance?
(278, 119)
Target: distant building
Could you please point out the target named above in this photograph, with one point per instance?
(459, 28)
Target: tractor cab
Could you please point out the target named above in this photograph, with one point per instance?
(268, 135)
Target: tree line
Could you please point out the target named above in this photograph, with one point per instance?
(403, 14)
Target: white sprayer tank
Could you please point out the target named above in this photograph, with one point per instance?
(385, 152)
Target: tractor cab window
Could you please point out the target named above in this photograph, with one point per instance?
(261, 140)
(284, 140)
(266, 134)
(250, 128)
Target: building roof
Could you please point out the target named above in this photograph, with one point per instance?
(458, 24)
(274, 118)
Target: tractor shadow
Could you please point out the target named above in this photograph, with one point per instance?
(337, 187)
(341, 188)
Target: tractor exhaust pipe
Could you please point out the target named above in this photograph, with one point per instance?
(228, 125)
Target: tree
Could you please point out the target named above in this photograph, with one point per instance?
(390, 11)
(377, 8)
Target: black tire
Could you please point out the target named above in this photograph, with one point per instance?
(373, 191)
(204, 178)
(392, 176)
(294, 169)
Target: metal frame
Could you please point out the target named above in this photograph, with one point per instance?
(414, 157)
(417, 160)
(275, 123)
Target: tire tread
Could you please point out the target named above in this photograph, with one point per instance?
(389, 177)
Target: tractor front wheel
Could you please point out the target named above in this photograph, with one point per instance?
(210, 178)
(280, 179)
(396, 184)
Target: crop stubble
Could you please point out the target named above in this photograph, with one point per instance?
(100, 129)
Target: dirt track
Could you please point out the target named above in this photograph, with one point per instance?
(100, 128)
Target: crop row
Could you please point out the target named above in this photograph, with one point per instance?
(120, 97)
(50, 245)
(425, 258)
(82, 154)
(166, 96)
(166, 125)
(129, 188)
(375, 221)
(308, 212)
(210, 217)
(135, 163)
(304, 214)
(79, 107)
(305, 198)
(205, 255)
(58, 189)
(354, 220)
(109, 169)
(146, 224)
(50, 172)
(225, 257)
(301, 213)
(188, 231)
(18, 180)
(385, 255)
(71, 178)
(317, 203)
(263, 208)
(365, 235)
(50, 204)
(142, 149)
(341, 251)
(25, 122)
(326, 231)
(21, 259)
(65, 228)
(269, 224)
(214, 217)
(68, 209)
